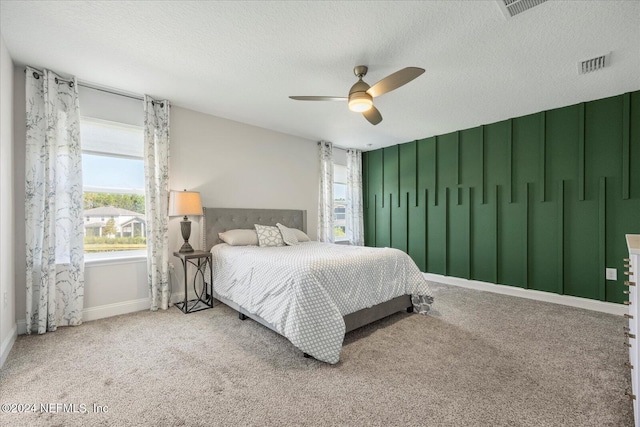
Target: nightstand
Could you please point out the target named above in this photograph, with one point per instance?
(204, 299)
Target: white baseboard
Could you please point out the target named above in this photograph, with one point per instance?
(22, 326)
(102, 311)
(588, 304)
(7, 344)
(110, 310)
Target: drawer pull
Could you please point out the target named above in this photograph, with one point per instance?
(628, 283)
(627, 273)
(628, 365)
(627, 265)
(626, 302)
(626, 259)
(631, 396)
(630, 336)
(626, 344)
(626, 292)
(626, 328)
(627, 316)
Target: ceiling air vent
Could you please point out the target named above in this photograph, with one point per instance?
(593, 64)
(511, 8)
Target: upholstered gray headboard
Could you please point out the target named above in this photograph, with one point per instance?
(218, 220)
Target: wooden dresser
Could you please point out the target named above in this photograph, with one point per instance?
(631, 272)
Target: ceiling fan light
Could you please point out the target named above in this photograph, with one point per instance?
(360, 102)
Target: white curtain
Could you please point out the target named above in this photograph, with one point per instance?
(355, 216)
(53, 203)
(325, 193)
(156, 183)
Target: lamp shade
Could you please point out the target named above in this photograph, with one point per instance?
(183, 203)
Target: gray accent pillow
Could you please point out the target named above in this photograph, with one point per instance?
(239, 237)
(300, 235)
(269, 235)
(288, 235)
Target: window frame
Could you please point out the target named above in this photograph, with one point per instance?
(344, 238)
(112, 257)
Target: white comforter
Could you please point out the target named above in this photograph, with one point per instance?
(305, 290)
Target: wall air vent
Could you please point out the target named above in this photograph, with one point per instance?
(511, 8)
(593, 64)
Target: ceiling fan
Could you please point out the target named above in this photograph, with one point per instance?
(361, 94)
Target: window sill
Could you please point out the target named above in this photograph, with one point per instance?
(108, 258)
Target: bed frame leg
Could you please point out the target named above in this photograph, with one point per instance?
(410, 309)
(241, 316)
(306, 356)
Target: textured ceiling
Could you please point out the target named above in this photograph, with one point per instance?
(241, 60)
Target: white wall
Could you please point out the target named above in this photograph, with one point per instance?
(232, 164)
(115, 287)
(7, 281)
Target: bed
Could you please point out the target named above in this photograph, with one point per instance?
(304, 293)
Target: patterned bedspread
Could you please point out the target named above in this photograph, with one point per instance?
(305, 290)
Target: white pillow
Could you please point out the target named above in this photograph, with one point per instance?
(288, 235)
(269, 235)
(239, 237)
(301, 236)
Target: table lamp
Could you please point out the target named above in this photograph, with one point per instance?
(185, 203)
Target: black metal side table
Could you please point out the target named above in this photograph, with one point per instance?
(204, 299)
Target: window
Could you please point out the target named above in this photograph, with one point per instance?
(113, 180)
(339, 202)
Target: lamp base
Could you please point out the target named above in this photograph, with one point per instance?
(185, 228)
(186, 248)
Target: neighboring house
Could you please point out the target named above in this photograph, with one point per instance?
(126, 223)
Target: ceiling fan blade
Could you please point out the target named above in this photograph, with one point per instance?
(394, 81)
(319, 98)
(373, 115)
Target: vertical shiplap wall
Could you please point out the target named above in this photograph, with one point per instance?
(541, 201)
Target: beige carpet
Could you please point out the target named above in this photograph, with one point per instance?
(479, 359)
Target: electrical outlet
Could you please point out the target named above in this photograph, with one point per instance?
(611, 274)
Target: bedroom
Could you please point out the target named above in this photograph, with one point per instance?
(228, 69)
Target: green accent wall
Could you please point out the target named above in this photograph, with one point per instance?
(541, 201)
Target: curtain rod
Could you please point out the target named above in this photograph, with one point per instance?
(336, 147)
(95, 87)
(112, 91)
(37, 73)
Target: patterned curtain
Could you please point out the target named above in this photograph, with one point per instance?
(156, 183)
(355, 216)
(53, 203)
(325, 193)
